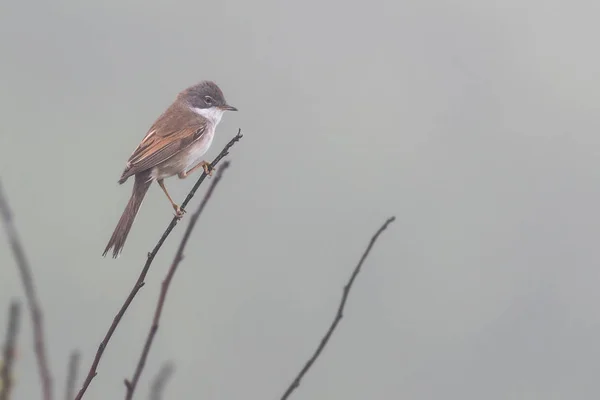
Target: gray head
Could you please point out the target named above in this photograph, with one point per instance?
(206, 95)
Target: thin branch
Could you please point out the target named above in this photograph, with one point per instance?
(10, 345)
(72, 375)
(30, 294)
(160, 381)
(140, 281)
(338, 316)
(131, 384)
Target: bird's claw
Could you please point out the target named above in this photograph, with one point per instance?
(179, 212)
(208, 169)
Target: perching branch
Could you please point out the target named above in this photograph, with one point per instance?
(10, 346)
(30, 294)
(160, 381)
(131, 384)
(140, 281)
(72, 375)
(338, 317)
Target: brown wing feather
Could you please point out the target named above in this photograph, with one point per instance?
(177, 128)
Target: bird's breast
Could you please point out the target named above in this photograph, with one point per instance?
(196, 151)
(187, 158)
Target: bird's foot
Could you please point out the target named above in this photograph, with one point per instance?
(178, 211)
(208, 169)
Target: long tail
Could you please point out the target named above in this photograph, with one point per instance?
(117, 240)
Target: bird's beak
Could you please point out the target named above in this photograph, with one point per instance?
(227, 107)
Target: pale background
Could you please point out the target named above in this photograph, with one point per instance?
(474, 122)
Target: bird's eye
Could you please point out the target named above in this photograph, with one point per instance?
(208, 100)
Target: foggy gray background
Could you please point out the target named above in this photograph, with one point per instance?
(474, 122)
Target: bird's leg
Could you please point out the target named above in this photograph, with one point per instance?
(208, 170)
(178, 210)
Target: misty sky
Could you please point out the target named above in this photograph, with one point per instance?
(475, 122)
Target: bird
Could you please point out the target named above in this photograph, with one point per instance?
(174, 145)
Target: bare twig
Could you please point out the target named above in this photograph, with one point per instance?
(72, 375)
(338, 316)
(30, 294)
(131, 384)
(140, 281)
(14, 317)
(160, 381)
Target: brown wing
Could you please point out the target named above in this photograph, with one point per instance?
(177, 128)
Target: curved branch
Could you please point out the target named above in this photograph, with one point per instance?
(338, 316)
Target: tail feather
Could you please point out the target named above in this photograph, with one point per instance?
(117, 240)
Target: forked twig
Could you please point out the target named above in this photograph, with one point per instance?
(140, 281)
(131, 384)
(338, 316)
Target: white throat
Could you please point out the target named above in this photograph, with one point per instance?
(212, 114)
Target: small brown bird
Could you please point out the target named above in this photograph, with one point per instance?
(174, 145)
